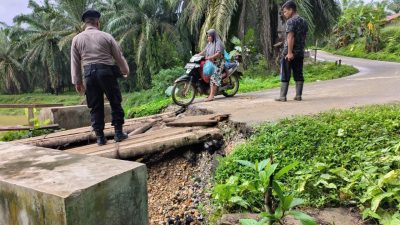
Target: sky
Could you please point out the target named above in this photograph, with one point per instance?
(11, 8)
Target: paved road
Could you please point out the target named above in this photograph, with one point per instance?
(376, 83)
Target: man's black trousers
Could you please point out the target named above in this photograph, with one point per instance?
(295, 65)
(100, 79)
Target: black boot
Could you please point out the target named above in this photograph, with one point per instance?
(299, 90)
(101, 139)
(119, 134)
(284, 91)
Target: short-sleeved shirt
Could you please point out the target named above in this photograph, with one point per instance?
(299, 27)
(93, 46)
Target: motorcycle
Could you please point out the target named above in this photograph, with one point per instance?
(195, 82)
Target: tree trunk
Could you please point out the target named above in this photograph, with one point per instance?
(242, 20)
(242, 30)
(268, 27)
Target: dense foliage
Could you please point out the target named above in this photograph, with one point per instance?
(346, 157)
(363, 31)
(390, 47)
(360, 21)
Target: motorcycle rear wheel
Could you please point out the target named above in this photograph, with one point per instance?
(183, 93)
(233, 90)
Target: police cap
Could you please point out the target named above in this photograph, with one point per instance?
(90, 13)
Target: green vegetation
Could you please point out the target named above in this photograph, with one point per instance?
(265, 182)
(36, 131)
(154, 100)
(348, 157)
(390, 47)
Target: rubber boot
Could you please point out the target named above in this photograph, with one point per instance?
(284, 91)
(101, 139)
(299, 90)
(119, 134)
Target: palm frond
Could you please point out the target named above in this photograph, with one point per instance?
(219, 15)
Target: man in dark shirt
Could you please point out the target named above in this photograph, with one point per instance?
(293, 52)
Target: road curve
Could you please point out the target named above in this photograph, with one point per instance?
(377, 83)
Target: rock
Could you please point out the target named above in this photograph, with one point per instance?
(233, 219)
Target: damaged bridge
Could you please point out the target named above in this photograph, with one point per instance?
(158, 134)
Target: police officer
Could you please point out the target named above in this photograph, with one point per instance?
(98, 52)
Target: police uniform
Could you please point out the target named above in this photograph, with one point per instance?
(97, 53)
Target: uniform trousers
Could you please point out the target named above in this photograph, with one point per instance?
(100, 79)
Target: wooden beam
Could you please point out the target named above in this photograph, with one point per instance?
(203, 120)
(142, 129)
(23, 106)
(30, 117)
(17, 128)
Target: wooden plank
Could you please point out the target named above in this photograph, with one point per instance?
(15, 128)
(142, 129)
(21, 106)
(86, 133)
(85, 130)
(160, 145)
(80, 131)
(206, 123)
(65, 138)
(132, 140)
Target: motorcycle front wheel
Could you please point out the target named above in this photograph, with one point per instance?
(233, 86)
(183, 93)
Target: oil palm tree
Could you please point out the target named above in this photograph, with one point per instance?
(41, 38)
(201, 15)
(12, 75)
(47, 35)
(394, 5)
(68, 15)
(141, 26)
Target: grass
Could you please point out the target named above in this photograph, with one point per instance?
(390, 49)
(348, 157)
(151, 108)
(312, 72)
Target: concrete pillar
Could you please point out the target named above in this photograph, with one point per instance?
(70, 117)
(42, 186)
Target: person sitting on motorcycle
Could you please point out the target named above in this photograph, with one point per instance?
(214, 52)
